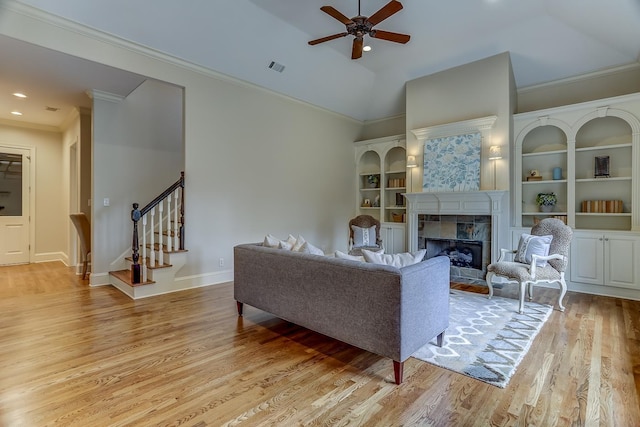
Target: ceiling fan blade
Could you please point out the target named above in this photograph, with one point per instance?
(387, 10)
(337, 15)
(392, 37)
(356, 51)
(326, 39)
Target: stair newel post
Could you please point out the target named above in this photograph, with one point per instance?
(144, 248)
(182, 210)
(135, 267)
(169, 228)
(160, 240)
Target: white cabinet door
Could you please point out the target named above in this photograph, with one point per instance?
(587, 258)
(621, 261)
(605, 259)
(393, 237)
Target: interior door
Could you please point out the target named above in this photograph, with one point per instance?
(14, 205)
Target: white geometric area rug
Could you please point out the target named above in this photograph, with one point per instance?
(486, 338)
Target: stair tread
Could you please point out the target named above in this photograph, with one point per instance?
(125, 276)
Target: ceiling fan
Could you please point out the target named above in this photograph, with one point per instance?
(359, 26)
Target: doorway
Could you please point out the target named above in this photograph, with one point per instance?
(15, 204)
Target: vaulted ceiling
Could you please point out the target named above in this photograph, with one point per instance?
(547, 40)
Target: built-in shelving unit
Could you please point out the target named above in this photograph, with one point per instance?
(597, 146)
(382, 172)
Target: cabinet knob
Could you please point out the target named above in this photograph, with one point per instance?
(606, 239)
(600, 239)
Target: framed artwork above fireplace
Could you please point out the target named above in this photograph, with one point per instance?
(452, 163)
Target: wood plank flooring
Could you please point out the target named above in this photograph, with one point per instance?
(71, 355)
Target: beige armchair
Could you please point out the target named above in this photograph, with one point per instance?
(529, 269)
(361, 235)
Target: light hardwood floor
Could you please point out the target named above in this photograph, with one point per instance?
(75, 355)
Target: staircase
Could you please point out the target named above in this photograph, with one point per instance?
(154, 262)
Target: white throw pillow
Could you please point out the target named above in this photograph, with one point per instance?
(342, 255)
(270, 241)
(363, 237)
(396, 260)
(308, 248)
(298, 244)
(283, 244)
(529, 245)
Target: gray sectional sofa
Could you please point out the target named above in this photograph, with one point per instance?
(382, 309)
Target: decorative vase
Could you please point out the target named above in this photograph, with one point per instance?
(546, 208)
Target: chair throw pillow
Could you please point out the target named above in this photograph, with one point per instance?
(396, 260)
(363, 237)
(529, 245)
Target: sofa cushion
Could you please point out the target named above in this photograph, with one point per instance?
(396, 260)
(530, 245)
(364, 236)
(342, 255)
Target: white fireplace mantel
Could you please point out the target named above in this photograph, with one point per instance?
(491, 203)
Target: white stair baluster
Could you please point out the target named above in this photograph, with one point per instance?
(152, 255)
(169, 230)
(144, 248)
(176, 227)
(160, 237)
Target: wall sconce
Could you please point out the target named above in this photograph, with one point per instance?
(411, 162)
(495, 154)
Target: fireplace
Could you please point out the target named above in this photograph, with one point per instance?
(461, 225)
(465, 239)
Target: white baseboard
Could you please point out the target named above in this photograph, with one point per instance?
(51, 256)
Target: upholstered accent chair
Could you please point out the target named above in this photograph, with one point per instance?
(531, 265)
(364, 233)
(81, 222)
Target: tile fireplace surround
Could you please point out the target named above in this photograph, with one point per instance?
(474, 203)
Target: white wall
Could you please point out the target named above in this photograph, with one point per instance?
(137, 154)
(255, 162)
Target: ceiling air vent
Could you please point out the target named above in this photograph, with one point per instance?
(54, 109)
(276, 67)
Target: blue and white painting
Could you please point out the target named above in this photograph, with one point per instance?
(452, 163)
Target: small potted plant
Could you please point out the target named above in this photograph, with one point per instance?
(373, 180)
(546, 201)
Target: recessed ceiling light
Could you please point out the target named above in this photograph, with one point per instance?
(366, 48)
(19, 95)
(16, 113)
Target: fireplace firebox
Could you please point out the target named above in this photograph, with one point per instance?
(461, 253)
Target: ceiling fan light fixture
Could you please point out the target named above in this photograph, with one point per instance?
(360, 26)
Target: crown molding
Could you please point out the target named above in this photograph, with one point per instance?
(582, 77)
(456, 128)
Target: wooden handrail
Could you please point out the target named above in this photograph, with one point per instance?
(137, 214)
